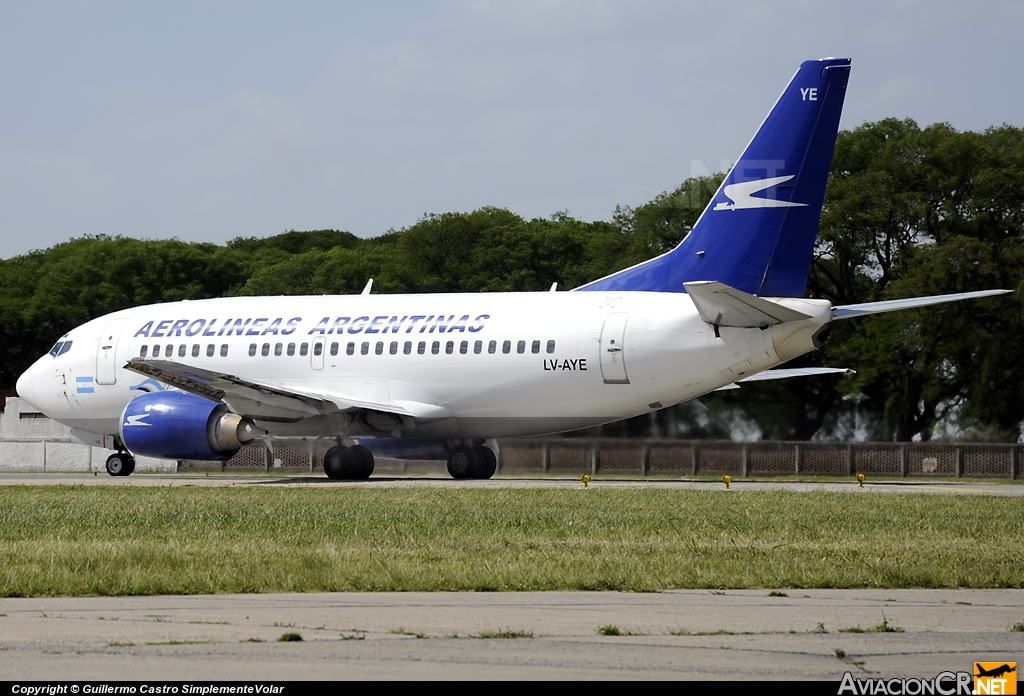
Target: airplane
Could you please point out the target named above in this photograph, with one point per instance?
(440, 376)
(995, 672)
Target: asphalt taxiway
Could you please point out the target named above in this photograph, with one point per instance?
(687, 634)
(916, 485)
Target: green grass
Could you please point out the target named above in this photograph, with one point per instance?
(57, 540)
(505, 633)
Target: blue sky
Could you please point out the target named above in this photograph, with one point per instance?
(211, 120)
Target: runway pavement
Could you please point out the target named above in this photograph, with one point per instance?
(917, 485)
(692, 634)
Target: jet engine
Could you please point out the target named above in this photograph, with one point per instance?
(177, 425)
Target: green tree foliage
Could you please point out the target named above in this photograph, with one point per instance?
(908, 212)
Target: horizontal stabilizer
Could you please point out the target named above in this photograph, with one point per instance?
(859, 310)
(721, 305)
(787, 372)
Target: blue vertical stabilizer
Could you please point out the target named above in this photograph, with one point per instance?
(757, 234)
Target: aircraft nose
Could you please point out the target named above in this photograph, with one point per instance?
(26, 387)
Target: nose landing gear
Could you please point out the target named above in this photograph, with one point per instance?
(120, 464)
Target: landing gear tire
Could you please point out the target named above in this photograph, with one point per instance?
(488, 462)
(120, 464)
(463, 462)
(342, 464)
(365, 457)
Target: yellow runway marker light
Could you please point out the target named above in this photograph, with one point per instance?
(727, 479)
(860, 480)
(585, 479)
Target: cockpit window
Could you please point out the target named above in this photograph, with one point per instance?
(60, 348)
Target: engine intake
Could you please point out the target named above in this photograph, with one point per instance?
(177, 425)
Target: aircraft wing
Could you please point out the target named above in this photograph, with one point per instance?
(859, 310)
(787, 372)
(270, 402)
(721, 305)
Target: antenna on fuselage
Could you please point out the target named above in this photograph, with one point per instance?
(366, 290)
(554, 287)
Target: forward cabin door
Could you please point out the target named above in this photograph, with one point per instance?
(106, 353)
(613, 349)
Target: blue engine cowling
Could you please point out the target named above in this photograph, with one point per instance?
(177, 425)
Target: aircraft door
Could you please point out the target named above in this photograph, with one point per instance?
(106, 353)
(613, 349)
(316, 355)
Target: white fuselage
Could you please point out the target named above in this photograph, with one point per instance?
(494, 365)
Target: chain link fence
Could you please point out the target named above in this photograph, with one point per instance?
(675, 458)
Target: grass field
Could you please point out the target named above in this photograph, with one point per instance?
(57, 540)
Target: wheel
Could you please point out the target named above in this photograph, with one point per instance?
(341, 463)
(365, 457)
(120, 464)
(488, 462)
(463, 462)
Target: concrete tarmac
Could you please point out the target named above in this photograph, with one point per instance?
(687, 634)
(916, 485)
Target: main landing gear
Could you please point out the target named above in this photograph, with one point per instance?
(467, 462)
(348, 463)
(120, 464)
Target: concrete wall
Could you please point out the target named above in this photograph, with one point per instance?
(29, 442)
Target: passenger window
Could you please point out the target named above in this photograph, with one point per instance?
(379, 348)
(223, 350)
(334, 349)
(551, 346)
(279, 348)
(143, 350)
(521, 347)
(156, 351)
(407, 348)
(169, 351)
(421, 348)
(252, 350)
(210, 349)
(266, 350)
(435, 347)
(535, 348)
(181, 350)
(350, 349)
(365, 348)
(478, 347)
(506, 346)
(195, 350)
(318, 348)
(291, 349)
(394, 348)
(464, 347)
(449, 347)
(304, 349)
(492, 346)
